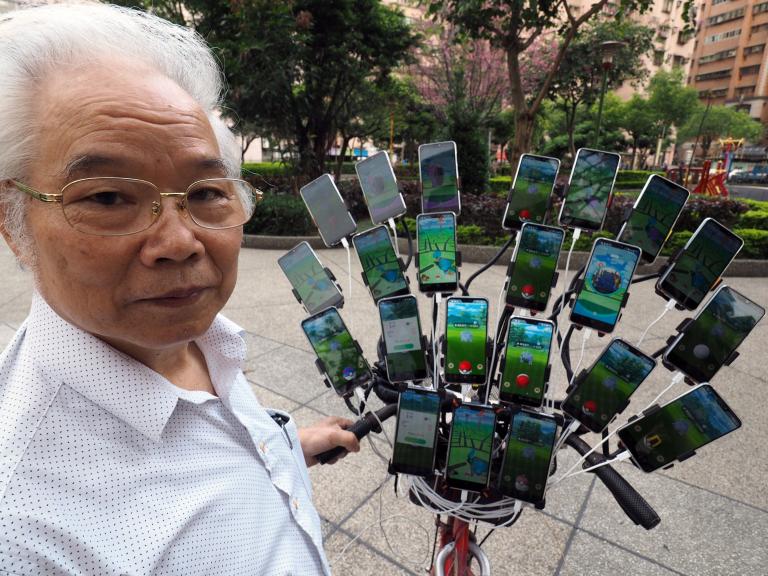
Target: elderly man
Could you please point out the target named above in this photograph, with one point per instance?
(130, 441)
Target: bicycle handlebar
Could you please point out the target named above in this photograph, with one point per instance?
(633, 504)
(360, 429)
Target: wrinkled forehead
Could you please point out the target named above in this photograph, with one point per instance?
(112, 115)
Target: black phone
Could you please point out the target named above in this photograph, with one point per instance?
(315, 288)
(379, 186)
(327, 209)
(528, 456)
(381, 267)
(403, 344)
(533, 267)
(342, 359)
(589, 189)
(524, 373)
(528, 199)
(704, 258)
(439, 177)
(603, 290)
(653, 216)
(707, 342)
(436, 258)
(470, 447)
(604, 390)
(418, 416)
(466, 335)
(677, 429)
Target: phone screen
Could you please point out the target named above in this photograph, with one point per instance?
(439, 174)
(402, 339)
(525, 470)
(605, 285)
(523, 379)
(534, 268)
(702, 261)
(377, 181)
(466, 332)
(344, 364)
(652, 218)
(470, 447)
(589, 189)
(436, 234)
(678, 428)
(605, 390)
(714, 335)
(381, 266)
(529, 198)
(327, 209)
(310, 280)
(418, 414)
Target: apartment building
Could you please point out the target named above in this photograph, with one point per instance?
(729, 65)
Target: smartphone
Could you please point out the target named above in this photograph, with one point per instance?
(653, 216)
(343, 361)
(524, 375)
(379, 186)
(403, 346)
(470, 447)
(703, 259)
(604, 390)
(528, 198)
(535, 263)
(716, 332)
(436, 259)
(466, 334)
(605, 284)
(528, 456)
(676, 429)
(418, 415)
(381, 266)
(328, 211)
(316, 289)
(589, 189)
(439, 178)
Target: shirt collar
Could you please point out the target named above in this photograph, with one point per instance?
(121, 385)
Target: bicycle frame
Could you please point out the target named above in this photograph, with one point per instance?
(457, 549)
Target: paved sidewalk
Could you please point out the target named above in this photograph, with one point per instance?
(714, 507)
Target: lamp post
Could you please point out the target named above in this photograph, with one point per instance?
(609, 50)
(708, 95)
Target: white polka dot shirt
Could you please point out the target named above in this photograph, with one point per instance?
(106, 468)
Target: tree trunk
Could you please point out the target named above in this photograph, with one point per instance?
(570, 126)
(340, 158)
(524, 124)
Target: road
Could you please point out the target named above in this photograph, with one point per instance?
(745, 191)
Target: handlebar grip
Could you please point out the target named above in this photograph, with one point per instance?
(360, 429)
(633, 504)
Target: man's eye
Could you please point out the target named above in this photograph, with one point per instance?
(207, 195)
(106, 198)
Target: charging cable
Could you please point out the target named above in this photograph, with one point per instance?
(576, 236)
(437, 298)
(677, 378)
(585, 336)
(392, 225)
(349, 264)
(620, 457)
(564, 436)
(667, 308)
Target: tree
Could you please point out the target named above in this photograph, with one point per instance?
(513, 26)
(579, 79)
(719, 122)
(639, 120)
(297, 70)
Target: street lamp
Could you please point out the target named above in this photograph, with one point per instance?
(609, 50)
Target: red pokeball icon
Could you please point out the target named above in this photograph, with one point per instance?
(589, 407)
(522, 380)
(528, 291)
(525, 214)
(465, 366)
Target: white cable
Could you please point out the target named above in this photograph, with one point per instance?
(584, 337)
(618, 458)
(667, 308)
(394, 231)
(349, 264)
(499, 312)
(576, 235)
(437, 297)
(564, 436)
(677, 377)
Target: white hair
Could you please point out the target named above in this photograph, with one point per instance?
(34, 41)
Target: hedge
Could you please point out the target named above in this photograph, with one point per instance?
(281, 215)
(266, 169)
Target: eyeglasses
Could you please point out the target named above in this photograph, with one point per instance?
(120, 206)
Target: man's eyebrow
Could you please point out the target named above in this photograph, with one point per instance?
(86, 163)
(217, 164)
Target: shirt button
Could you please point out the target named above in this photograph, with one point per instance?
(263, 447)
(295, 504)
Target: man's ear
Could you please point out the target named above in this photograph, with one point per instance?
(6, 187)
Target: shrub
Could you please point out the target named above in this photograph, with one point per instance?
(501, 185)
(755, 243)
(757, 219)
(266, 169)
(406, 171)
(472, 234)
(281, 215)
(726, 211)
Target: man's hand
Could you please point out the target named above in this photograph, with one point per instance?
(327, 434)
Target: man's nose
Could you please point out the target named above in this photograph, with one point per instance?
(173, 237)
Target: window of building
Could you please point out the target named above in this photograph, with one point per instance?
(678, 60)
(745, 91)
(726, 16)
(716, 75)
(758, 8)
(758, 28)
(658, 57)
(749, 70)
(716, 2)
(667, 7)
(719, 93)
(723, 36)
(756, 49)
(718, 56)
